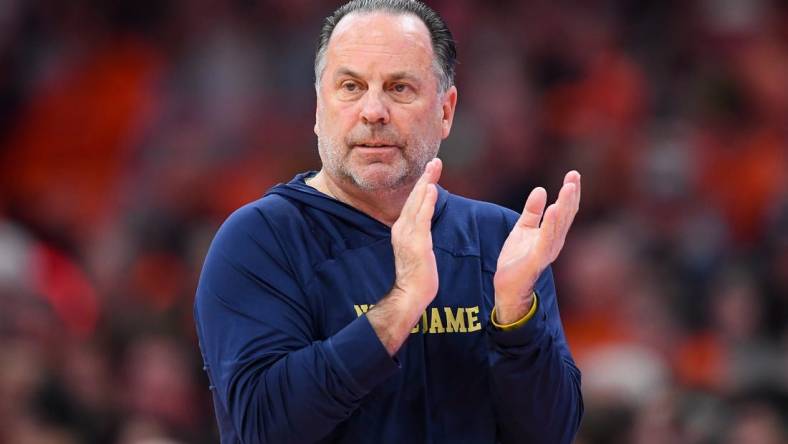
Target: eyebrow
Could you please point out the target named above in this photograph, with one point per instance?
(402, 75)
(398, 75)
(346, 72)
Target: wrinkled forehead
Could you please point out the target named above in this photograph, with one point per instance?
(402, 38)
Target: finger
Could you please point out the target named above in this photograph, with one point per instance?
(424, 216)
(533, 209)
(427, 208)
(547, 232)
(416, 196)
(565, 208)
(574, 177)
(557, 219)
(432, 172)
(435, 170)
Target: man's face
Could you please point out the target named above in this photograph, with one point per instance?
(380, 117)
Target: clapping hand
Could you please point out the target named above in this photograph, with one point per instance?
(416, 279)
(532, 246)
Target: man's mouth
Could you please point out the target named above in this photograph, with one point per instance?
(376, 145)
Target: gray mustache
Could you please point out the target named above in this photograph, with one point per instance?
(383, 136)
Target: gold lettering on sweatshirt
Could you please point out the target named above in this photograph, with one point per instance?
(455, 323)
(436, 326)
(440, 320)
(473, 320)
(363, 308)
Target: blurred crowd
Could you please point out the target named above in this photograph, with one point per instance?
(130, 129)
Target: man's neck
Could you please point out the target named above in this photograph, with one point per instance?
(383, 206)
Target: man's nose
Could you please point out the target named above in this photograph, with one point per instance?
(374, 108)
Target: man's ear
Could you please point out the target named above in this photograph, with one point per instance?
(316, 121)
(317, 107)
(448, 106)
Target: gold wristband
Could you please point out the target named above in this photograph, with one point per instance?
(519, 323)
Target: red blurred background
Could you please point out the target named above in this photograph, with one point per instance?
(130, 129)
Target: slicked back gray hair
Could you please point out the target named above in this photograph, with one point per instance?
(442, 40)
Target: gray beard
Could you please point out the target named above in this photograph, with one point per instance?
(333, 161)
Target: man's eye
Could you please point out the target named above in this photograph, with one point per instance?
(402, 92)
(350, 86)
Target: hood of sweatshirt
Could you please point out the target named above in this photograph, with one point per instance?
(299, 191)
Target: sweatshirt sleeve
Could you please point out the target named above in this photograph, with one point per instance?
(535, 384)
(272, 377)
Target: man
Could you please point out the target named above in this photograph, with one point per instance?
(364, 303)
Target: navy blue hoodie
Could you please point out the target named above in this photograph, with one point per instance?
(292, 358)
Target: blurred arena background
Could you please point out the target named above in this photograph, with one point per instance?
(130, 129)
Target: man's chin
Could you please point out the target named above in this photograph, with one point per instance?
(379, 177)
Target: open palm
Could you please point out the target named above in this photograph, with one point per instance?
(532, 246)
